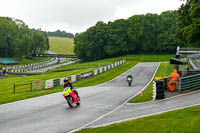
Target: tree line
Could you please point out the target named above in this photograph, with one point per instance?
(59, 33)
(18, 41)
(141, 34)
(188, 24)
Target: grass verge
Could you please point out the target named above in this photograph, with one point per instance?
(163, 71)
(179, 121)
(105, 76)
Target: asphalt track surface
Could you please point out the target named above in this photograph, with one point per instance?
(51, 113)
(132, 111)
(101, 105)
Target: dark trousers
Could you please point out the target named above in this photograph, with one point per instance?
(76, 93)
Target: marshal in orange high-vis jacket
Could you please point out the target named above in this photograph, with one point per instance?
(173, 80)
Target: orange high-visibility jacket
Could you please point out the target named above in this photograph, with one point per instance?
(174, 76)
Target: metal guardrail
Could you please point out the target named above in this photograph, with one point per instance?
(189, 82)
(193, 65)
(187, 50)
(54, 55)
(56, 82)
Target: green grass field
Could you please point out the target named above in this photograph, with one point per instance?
(6, 85)
(179, 121)
(61, 45)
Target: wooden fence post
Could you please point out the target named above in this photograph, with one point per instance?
(31, 86)
(14, 89)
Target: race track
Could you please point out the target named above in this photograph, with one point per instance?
(132, 111)
(51, 113)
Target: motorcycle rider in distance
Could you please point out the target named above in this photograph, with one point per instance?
(129, 79)
(67, 83)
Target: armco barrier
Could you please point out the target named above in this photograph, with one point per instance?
(111, 66)
(56, 82)
(193, 65)
(29, 67)
(105, 68)
(70, 78)
(108, 67)
(78, 77)
(189, 82)
(49, 83)
(87, 75)
(73, 78)
(100, 70)
(62, 81)
(95, 72)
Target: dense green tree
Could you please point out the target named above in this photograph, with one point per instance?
(80, 49)
(142, 34)
(59, 33)
(17, 40)
(39, 43)
(188, 25)
(89, 45)
(116, 38)
(167, 41)
(23, 48)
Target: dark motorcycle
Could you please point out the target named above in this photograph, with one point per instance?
(71, 97)
(129, 79)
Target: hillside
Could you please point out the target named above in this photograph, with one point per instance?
(61, 45)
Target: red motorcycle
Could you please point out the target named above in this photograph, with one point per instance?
(71, 97)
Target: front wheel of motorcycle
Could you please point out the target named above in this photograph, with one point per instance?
(70, 101)
(79, 102)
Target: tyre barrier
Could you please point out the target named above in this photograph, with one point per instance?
(158, 89)
(57, 82)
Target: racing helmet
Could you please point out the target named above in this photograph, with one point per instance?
(66, 80)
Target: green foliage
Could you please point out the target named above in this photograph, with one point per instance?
(143, 33)
(59, 33)
(117, 39)
(188, 25)
(89, 45)
(18, 41)
(140, 34)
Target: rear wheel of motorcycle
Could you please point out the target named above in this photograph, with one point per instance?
(70, 101)
(129, 84)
